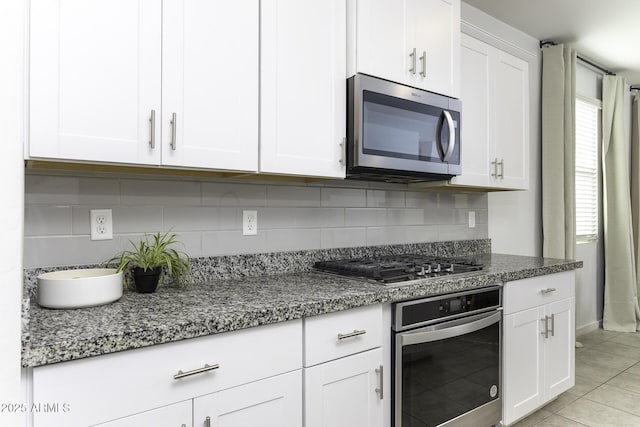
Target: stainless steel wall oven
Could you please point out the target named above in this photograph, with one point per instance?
(446, 353)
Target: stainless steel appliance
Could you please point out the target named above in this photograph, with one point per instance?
(399, 269)
(397, 133)
(446, 353)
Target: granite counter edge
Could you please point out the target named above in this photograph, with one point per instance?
(34, 355)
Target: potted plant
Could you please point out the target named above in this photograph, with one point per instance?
(152, 257)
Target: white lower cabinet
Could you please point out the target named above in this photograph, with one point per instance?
(176, 415)
(345, 392)
(343, 374)
(539, 340)
(272, 402)
(218, 373)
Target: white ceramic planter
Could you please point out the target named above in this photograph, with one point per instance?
(79, 288)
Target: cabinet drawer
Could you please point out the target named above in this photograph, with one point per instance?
(335, 335)
(534, 291)
(103, 388)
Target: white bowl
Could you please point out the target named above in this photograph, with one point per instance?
(79, 288)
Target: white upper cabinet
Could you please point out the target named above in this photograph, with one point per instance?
(414, 42)
(303, 87)
(145, 82)
(495, 118)
(95, 69)
(210, 82)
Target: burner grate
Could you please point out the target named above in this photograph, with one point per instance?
(399, 268)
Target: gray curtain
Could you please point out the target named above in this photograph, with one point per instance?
(621, 311)
(558, 147)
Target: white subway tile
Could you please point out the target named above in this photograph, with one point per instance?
(126, 219)
(292, 240)
(462, 232)
(143, 192)
(232, 243)
(222, 194)
(399, 235)
(99, 191)
(343, 237)
(405, 216)
(43, 220)
(421, 199)
(190, 218)
(287, 195)
(343, 197)
(273, 218)
(68, 250)
(365, 217)
(385, 199)
(231, 218)
(439, 215)
(51, 190)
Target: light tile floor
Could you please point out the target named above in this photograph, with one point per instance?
(607, 390)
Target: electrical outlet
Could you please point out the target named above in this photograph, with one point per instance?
(472, 219)
(101, 224)
(249, 223)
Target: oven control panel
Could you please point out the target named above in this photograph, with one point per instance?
(426, 311)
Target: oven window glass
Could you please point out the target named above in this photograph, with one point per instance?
(395, 127)
(447, 378)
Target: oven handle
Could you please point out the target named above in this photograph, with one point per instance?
(450, 329)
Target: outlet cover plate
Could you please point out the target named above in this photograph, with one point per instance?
(101, 223)
(249, 223)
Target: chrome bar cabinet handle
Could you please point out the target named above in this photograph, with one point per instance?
(174, 125)
(355, 333)
(501, 163)
(553, 324)
(205, 368)
(547, 290)
(423, 58)
(343, 151)
(380, 389)
(546, 327)
(207, 422)
(152, 120)
(412, 70)
(495, 168)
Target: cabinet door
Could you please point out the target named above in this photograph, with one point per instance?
(176, 415)
(522, 363)
(95, 79)
(433, 28)
(303, 87)
(272, 402)
(477, 114)
(559, 348)
(380, 40)
(342, 393)
(512, 120)
(210, 82)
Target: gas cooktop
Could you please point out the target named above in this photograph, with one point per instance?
(395, 269)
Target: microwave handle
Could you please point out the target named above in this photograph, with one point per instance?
(452, 136)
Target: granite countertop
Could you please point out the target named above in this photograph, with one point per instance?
(139, 320)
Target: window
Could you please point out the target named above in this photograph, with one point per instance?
(587, 138)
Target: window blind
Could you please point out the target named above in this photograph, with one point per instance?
(587, 137)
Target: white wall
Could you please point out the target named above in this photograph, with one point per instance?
(515, 217)
(11, 203)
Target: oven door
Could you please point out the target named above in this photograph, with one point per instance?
(449, 374)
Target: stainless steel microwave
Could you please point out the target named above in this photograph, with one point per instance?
(397, 133)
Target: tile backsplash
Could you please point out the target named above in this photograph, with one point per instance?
(207, 216)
